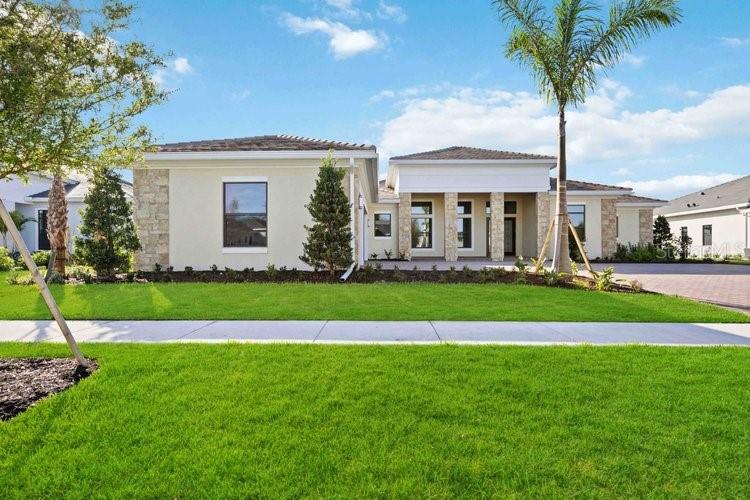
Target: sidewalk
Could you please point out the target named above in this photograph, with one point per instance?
(383, 332)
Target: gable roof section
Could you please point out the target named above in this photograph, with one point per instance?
(633, 201)
(587, 186)
(736, 192)
(468, 153)
(262, 143)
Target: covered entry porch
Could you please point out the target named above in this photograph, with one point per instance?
(469, 227)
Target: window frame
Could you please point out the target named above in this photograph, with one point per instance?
(582, 237)
(430, 216)
(469, 216)
(375, 225)
(710, 234)
(242, 180)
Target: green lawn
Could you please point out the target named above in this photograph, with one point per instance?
(243, 420)
(386, 301)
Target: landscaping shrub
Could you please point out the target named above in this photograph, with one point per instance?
(639, 253)
(604, 279)
(108, 234)
(6, 261)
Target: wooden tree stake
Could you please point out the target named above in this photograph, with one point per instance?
(43, 289)
(582, 250)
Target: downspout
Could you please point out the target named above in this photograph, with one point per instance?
(352, 212)
(348, 272)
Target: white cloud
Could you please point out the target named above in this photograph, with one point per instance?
(634, 60)
(241, 95)
(169, 76)
(599, 130)
(181, 66)
(677, 91)
(391, 11)
(410, 92)
(344, 41)
(734, 41)
(622, 171)
(678, 185)
(345, 8)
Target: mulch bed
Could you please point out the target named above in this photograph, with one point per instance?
(24, 381)
(368, 274)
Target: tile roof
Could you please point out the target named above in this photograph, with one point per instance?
(467, 153)
(631, 198)
(262, 143)
(729, 193)
(585, 186)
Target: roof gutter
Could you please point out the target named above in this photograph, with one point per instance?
(256, 155)
(704, 210)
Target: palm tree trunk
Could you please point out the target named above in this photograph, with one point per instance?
(57, 224)
(561, 256)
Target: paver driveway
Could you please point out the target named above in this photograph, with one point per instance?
(722, 284)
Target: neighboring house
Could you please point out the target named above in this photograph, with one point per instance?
(32, 200)
(716, 218)
(241, 203)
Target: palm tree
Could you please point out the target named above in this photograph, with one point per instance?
(19, 219)
(564, 52)
(57, 225)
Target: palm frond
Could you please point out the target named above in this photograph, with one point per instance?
(529, 43)
(629, 22)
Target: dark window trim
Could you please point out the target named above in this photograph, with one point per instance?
(224, 211)
(583, 205)
(469, 216)
(430, 216)
(375, 225)
(710, 234)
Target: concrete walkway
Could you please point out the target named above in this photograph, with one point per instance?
(385, 332)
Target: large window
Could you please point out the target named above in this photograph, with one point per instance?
(245, 214)
(421, 224)
(382, 225)
(577, 214)
(707, 235)
(463, 224)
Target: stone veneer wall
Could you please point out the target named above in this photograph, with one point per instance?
(497, 226)
(609, 227)
(542, 219)
(646, 225)
(404, 225)
(151, 217)
(450, 237)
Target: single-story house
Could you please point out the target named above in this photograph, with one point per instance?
(717, 219)
(240, 203)
(32, 200)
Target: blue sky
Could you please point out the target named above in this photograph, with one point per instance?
(411, 75)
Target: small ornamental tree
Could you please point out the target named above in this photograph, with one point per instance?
(107, 231)
(329, 240)
(663, 237)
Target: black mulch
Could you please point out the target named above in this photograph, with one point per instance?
(24, 381)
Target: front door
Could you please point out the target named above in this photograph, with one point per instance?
(510, 236)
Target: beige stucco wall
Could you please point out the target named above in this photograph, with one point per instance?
(627, 226)
(196, 211)
(380, 245)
